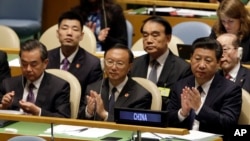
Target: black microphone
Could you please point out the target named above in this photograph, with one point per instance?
(100, 93)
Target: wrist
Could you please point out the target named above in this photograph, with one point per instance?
(184, 114)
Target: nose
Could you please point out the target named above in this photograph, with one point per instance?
(29, 68)
(69, 31)
(202, 64)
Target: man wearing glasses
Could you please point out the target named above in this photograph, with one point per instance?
(116, 90)
(230, 64)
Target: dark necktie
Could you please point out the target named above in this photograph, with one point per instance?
(65, 63)
(192, 114)
(112, 99)
(153, 73)
(31, 96)
(111, 105)
(228, 76)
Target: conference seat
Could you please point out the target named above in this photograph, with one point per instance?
(130, 32)
(244, 118)
(75, 89)
(50, 40)
(23, 16)
(8, 37)
(153, 89)
(138, 45)
(190, 30)
(26, 138)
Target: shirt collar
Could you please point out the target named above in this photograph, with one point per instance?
(37, 82)
(120, 86)
(234, 71)
(205, 86)
(161, 60)
(70, 58)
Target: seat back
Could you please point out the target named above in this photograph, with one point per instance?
(50, 40)
(75, 89)
(130, 32)
(21, 9)
(245, 112)
(153, 89)
(8, 37)
(191, 30)
(26, 138)
(138, 45)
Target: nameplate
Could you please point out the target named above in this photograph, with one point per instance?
(140, 117)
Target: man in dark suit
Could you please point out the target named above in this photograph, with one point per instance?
(83, 65)
(35, 92)
(205, 101)
(4, 67)
(230, 64)
(125, 91)
(156, 34)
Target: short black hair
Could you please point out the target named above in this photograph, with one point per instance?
(72, 15)
(123, 47)
(160, 20)
(208, 43)
(32, 44)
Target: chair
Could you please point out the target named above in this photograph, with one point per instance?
(75, 89)
(191, 30)
(23, 16)
(245, 113)
(153, 89)
(50, 40)
(130, 31)
(26, 138)
(9, 37)
(138, 45)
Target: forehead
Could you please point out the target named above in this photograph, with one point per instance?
(33, 54)
(120, 54)
(204, 52)
(151, 26)
(70, 22)
(225, 40)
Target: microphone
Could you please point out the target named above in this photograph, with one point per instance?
(100, 93)
(104, 14)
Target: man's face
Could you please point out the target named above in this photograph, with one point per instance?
(230, 54)
(116, 65)
(32, 64)
(155, 41)
(70, 32)
(204, 64)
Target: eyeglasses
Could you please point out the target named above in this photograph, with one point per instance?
(118, 64)
(226, 50)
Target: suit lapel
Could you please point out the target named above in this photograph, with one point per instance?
(125, 94)
(105, 93)
(43, 90)
(214, 89)
(78, 60)
(240, 78)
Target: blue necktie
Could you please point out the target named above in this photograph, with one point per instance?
(192, 113)
(31, 96)
(112, 99)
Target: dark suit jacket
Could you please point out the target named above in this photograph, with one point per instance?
(52, 97)
(132, 95)
(220, 111)
(85, 67)
(174, 69)
(4, 67)
(242, 78)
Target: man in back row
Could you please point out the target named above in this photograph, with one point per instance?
(35, 92)
(230, 64)
(70, 56)
(156, 34)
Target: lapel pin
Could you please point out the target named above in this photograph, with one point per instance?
(77, 65)
(126, 95)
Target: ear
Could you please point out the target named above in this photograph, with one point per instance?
(240, 51)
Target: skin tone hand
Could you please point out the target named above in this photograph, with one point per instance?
(94, 100)
(7, 100)
(29, 107)
(103, 34)
(190, 99)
